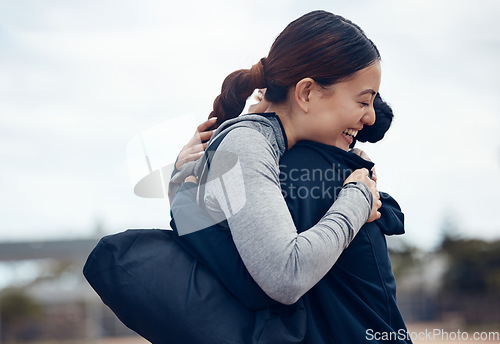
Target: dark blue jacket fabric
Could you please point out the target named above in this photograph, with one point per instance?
(356, 301)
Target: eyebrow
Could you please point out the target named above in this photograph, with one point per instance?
(367, 91)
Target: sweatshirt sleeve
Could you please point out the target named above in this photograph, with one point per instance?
(243, 187)
(177, 178)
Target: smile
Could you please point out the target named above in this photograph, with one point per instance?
(350, 132)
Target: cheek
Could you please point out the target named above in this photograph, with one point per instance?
(347, 109)
(347, 116)
(335, 121)
(354, 113)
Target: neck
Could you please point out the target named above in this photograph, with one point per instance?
(286, 119)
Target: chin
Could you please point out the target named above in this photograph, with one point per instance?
(344, 146)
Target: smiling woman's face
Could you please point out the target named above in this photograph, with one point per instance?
(341, 110)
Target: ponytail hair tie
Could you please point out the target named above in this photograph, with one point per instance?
(257, 74)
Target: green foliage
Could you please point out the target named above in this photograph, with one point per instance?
(403, 259)
(16, 304)
(474, 266)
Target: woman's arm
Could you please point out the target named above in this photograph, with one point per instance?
(284, 264)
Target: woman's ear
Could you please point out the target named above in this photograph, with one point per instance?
(302, 94)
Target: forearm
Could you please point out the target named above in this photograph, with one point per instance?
(177, 178)
(286, 264)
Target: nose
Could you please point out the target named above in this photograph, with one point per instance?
(369, 117)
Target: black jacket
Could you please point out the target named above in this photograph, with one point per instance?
(356, 301)
(166, 295)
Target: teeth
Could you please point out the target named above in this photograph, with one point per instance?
(351, 132)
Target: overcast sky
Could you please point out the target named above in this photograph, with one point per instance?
(80, 80)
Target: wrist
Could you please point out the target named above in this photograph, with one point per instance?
(350, 183)
(363, 188)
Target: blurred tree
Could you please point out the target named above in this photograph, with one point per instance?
(471, 283)
(474, 266)
(450, 230)
(16, 309)
(404, 258)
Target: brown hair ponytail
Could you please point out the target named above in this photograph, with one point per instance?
(236, 89)
(319, 45)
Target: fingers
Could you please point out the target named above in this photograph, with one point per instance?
(189, 157)
(205, 136)
(375, 214)
(365, 156)
(358, 176)
(356, 151)
(199, 137)
(190, 154)
(197, 144)
(194, 149)
(197, 148)
(202, 133)
(377, 203)
(361, 153)
(362, 175)
(374, 175)
(206, 125)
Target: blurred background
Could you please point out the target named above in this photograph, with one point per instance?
(80, 80)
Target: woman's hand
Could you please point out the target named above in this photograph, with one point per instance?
(262, 104)
(362, 175)
(365, 156)
(197, 145)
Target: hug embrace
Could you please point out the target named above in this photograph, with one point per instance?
(250, 258)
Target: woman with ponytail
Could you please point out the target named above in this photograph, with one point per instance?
(321, 74)
(321, 77)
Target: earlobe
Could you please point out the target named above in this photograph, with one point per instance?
(303, 93)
